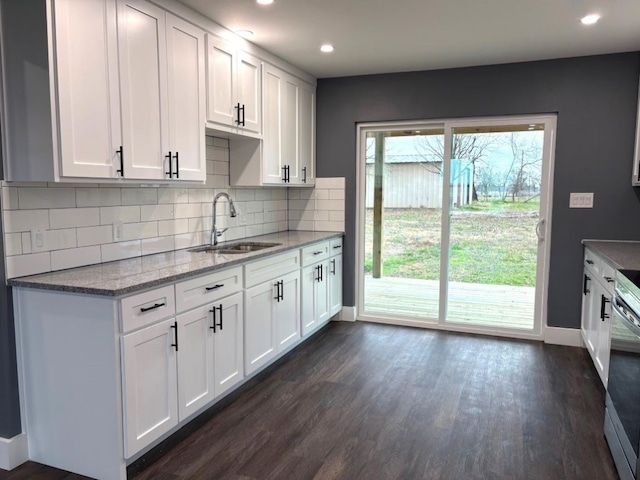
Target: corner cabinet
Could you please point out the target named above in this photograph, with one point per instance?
(119, 87)
(287, 155)
(234, 88)
(597, 292)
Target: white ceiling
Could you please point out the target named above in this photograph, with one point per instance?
(377, 36)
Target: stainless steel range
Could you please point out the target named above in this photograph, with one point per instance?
(622, 413)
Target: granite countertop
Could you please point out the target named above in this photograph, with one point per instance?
(131, 275)
(621, 255)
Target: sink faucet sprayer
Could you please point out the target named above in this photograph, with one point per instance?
(215, 233)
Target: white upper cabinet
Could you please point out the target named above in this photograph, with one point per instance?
(185, 54)
(119, 92)
(143, 80)
(234, 92)
(90, 130)
(307, 134)
(162, 83)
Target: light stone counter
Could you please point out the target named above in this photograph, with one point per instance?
(621, 255)
(131, 275)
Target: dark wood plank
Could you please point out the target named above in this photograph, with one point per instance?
(381, 402)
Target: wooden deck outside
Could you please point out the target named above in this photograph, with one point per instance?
(471, 303)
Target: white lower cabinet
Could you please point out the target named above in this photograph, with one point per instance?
(150, 387)
(150, 361)
(272, 319)
(315, 296)
(597, 292)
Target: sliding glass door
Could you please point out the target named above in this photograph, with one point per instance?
(468, 253)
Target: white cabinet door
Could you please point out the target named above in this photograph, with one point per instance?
(307, 134)
(589, 327)
(221, 88)
(315, 296)
(228, 343)
(288, 311)
(260, 343)
(185, 64)
(150, 384)
(88, 87)
(604, 335)
(335, 285)
(196, 385)
(249, 91)
(143, 83)
(272, 162)
(234, 90)
(291, 129)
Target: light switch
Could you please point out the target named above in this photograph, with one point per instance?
(581, 200)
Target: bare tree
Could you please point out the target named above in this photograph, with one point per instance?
(524, 171)
(470, 148)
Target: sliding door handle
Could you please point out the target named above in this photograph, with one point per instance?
(539, 232)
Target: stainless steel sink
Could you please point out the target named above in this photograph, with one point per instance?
(235, 248)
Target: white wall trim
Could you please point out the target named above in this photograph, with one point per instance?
(569, 337)
(13, 451)
(348, 314)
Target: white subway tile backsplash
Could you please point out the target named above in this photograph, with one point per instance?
(34, 198)
(94, 235)
(20, 265)
(98, 197)
(335, 182)
(25, 220)
(78, 218)
(173, 195)
(74, 217)
(10, 198)
(157, 245)
(136, 231)
(26, 242)
(156, 212)
(329, 205)
(188, 240)
(336, 216)
(75, 257)
(328, 226)
(61, 239)
(336, 194)
(13, 244)
(173, 227)
(321, 194)
(189, 210)
(120, 251)
(130, 214)
(139, 196)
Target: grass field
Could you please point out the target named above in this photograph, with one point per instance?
(491, 242)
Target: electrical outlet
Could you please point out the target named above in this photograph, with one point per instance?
(38, 240)
(581, 200)
(117, 231)
(241, 218)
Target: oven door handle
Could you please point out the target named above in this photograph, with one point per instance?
(629, 322)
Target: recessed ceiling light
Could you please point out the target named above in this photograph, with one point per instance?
(265, 2)
(326, 48)
(590, 19)
(245, 33)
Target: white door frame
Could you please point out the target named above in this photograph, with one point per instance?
(542, 271)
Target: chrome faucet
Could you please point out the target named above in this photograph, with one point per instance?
(215, 233)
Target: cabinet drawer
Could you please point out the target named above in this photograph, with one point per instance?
(335, 246)
(315, 253)
(608, 276)
(592, 261)
(208, 288)
(271, 267)
(146, 308)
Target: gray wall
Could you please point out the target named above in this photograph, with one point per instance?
(595, 99)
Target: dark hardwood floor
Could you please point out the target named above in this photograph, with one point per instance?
(368, 401)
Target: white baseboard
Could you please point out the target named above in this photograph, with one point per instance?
(570, 337)
(13, 452)
(348, 314)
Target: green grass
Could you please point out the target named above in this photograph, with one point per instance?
(491, 242)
